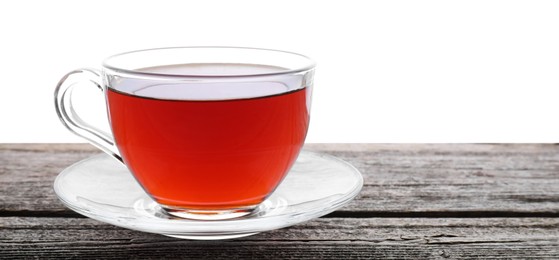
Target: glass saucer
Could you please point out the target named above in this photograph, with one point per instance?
(103, 189)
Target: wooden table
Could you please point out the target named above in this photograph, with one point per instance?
(419, 201)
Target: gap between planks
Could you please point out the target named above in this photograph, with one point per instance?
(336, 214)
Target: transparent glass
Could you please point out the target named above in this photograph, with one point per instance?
(103, 189)
(208, 132)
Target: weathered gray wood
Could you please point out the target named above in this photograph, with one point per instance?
(27, 174)
(401, 180)
(494, 180)
(322, 238)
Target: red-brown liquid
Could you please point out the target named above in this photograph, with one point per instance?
(209, 154)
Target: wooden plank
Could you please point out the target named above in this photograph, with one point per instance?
(27, 176)
(495, 180)
(392, 238)
(439, 178)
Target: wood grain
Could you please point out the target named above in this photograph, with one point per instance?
(391, 238)
(419, 201)
(414, 180)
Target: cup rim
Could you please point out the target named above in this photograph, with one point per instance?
(310, 64)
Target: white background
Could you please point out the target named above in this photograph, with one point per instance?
(388, 71)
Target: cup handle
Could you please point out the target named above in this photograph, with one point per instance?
(69, 117)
